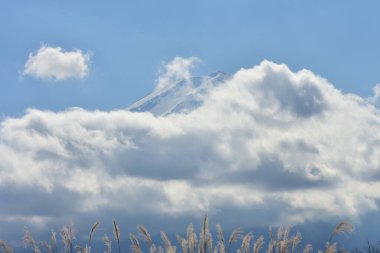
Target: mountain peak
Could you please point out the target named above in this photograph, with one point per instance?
(182, 97)
(218, 74)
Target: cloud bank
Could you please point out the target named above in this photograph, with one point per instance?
(268, 146)
(56, 64)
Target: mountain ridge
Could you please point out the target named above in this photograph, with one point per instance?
(181, 96)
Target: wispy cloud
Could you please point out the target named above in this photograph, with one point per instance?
(177, 69)
(285, 144)
(56, 64)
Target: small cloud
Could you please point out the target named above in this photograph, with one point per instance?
(375, 98)
(56, 64)
(376, 90)
(177, 69)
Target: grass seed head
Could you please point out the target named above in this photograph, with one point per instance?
(257, 245)
(145, 234)
(107, 243)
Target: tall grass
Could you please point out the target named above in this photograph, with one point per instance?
(283, 242)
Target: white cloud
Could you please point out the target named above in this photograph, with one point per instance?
(56, 64)
(177, 69)
(286, 145)
(376, 91)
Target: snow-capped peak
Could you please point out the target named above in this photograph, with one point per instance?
(181, 96)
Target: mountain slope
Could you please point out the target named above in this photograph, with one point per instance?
(181, 97)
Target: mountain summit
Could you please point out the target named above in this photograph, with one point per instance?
(182, 96)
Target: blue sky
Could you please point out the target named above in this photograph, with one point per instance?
(129, 40)
(285, 137)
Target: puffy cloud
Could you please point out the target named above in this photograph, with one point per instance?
(57, 64)
(269, 144)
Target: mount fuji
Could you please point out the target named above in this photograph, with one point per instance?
(181, 96)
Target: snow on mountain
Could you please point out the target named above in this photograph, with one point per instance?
(182, 96)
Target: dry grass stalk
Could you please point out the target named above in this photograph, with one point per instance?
(47, 246)
(80, 249)
(206, 236)
(29, 240)
(287, 231)
(308, 248)
(330, 248)
(183, 243)
(271, 245)
(285, 241)
(71, 233)
(257, 245)
(279, 239)
(343, 227)
(145, 234)
(116, 233)
(135, 244)
(189, 231)
(281, 245)
(53, 239)
(191, 238)
(146, 237)
(67, 234)
(107, 243)
(93, 229)
(222, 248)
(168, 246)
(192, 243)
(235, 235)
(172, 249)
(5, 248)
(295, 241)
(66, 241)
(246, 243)
(166, 240)
(87, 249)
(272, 241)
(209, 242)
(152, 249)
(201, 243)
(178, 238)
(220, 234)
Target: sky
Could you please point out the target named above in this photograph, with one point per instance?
(291, 136)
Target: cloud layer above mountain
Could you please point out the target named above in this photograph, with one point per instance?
(270, 144)
(56, 64)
